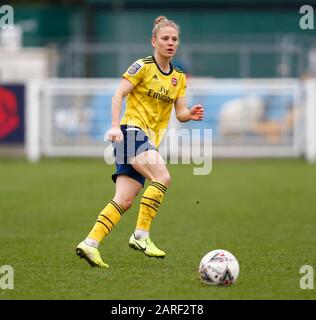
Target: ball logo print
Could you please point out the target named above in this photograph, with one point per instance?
(219, 267)
(227, 278)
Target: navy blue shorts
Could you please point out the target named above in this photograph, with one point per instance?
(134, 142)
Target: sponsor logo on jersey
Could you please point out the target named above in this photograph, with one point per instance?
(160, 96)
(134, 68)
(163, 90)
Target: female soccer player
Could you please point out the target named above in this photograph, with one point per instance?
(152, 86)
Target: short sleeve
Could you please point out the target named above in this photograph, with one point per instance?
(182, 91)
(135, 72)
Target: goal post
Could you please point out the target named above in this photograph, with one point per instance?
(33, 147)
(248, 117)
(310, 123)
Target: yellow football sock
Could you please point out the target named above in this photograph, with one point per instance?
(106, 221)
(150, 204)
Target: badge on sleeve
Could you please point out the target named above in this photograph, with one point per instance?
(133, 68)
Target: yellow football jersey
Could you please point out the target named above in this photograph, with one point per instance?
(149, 104)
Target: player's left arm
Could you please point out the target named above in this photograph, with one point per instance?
(183, 113)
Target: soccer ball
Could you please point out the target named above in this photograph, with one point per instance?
(219, 267)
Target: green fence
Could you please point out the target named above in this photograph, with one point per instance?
(203, 23)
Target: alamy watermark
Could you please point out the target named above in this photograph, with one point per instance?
(6, 277)
(6, 17)
(307, 280)
(181, 146)
(307, 20)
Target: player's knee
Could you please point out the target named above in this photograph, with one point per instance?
(165, 179)
(125, 202)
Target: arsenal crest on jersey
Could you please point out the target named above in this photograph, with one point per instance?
(174, 81)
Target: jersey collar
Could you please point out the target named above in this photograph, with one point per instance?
(164, 73)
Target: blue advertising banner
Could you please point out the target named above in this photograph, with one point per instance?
(12, 113)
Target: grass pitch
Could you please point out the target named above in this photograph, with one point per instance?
(262, 211)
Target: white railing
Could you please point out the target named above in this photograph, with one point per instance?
(248, 118)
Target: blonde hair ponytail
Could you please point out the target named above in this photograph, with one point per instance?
(161, 22)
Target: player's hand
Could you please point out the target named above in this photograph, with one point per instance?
(197, 112)
(115, 134)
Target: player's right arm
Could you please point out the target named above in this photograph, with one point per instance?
(125, 87)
